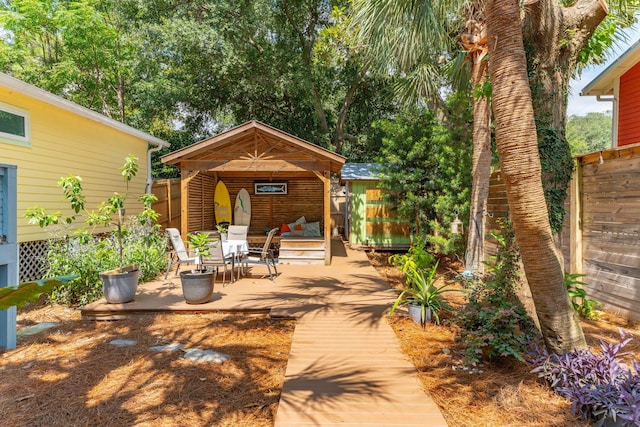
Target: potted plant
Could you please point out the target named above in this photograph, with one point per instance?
(197, 283)
(423, 298)
(119, 285)
(223, 229)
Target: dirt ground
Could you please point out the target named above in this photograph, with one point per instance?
(72, 374)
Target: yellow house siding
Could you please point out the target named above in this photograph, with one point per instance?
(64, 143)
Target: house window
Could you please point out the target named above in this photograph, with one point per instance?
(14, 125)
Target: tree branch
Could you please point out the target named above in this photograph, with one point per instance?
(584, 17)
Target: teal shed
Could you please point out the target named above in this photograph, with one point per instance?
(370, 221)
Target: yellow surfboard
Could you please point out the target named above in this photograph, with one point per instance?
(222, 203)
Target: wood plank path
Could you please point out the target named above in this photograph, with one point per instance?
(345, 366)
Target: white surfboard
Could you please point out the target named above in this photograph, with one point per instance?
(242, 209)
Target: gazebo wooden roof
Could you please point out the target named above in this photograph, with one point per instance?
(255, 147)
(255, 150)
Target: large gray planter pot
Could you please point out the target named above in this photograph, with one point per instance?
(119, 288)
(197, 286)
(415, 313)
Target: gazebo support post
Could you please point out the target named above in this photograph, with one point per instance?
(325, 177)
(185, 177)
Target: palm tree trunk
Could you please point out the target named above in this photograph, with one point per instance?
(474, 254)
(517, 144)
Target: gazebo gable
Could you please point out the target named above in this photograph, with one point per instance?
(255, 146)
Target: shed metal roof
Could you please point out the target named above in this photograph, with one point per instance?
(360, 172)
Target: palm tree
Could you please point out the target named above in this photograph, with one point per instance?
(517, 143)
(518, 146)
(474, 42)
(397, 37)
(408, 37)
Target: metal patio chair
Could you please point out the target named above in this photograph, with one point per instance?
(264, 256)
(216, 258)
(180, 254)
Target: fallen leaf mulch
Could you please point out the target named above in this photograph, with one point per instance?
(502, 393)
(72, 374)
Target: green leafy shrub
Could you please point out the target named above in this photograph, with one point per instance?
(416, 259)
(136, 240)
(146, 245)
(582, 305)
(424, 293)
(494, 323)
(83, 255)
(444, 242)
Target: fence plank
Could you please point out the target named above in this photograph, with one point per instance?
(604, 242)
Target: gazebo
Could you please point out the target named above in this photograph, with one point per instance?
(255, 156)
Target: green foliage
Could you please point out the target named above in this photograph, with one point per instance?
(145, 244)
(29, 291)
(78, 49)
(416, 259)
(607, 34)
(589, 133)
(183, 72)
(557, 168)
(425, 164)
(199, 242)
(423, 292)
(482, 90)
(494, 323)
(136, 240)
(84, 256)
(443, 242)
(582, 305)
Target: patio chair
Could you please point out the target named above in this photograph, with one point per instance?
(180, 254)
(237, 232)
(217, 258)
(264, 256)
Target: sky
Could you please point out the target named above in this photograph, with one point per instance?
(581, 105)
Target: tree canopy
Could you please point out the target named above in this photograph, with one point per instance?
(589, 133)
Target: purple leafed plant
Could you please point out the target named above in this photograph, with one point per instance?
(600, 387)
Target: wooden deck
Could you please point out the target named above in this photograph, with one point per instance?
(345, 367)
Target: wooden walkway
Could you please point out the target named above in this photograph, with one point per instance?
(345, 367)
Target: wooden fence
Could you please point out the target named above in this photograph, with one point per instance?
(168, 205)
(601, 235)
(605, 228)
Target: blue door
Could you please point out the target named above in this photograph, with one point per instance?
(8, 251)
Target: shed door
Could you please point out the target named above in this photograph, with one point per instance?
(8, 251)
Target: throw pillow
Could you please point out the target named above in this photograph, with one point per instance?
(311, 229)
